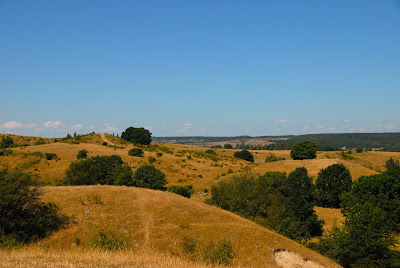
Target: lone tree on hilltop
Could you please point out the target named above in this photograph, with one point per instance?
(331, 183)
(137, 135)
(304, 150)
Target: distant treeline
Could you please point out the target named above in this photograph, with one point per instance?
(326, 142)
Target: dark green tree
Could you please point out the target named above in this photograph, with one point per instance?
(148, 176)
(381, 190)
(304, 150)
(23, 217)
(365, 240)
(299, 190)
(228, 146)
(245, 155)
(137, 135)
(98, 170)
(332, 182)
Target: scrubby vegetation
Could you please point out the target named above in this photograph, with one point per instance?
(82, 154)
(135, 152)
(185, 191)
(284, 203)
(23, 218)
(99, 170)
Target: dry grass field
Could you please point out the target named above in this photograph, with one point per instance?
(153, 221)
(157, 222)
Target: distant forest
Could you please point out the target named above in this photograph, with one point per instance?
(326, 142)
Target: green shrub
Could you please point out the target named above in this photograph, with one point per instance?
(148, 176)
(159, 154)
(6, 142)
(190, 245)
(105, 143)
(23, 217)
(50, 156)
(6, 152)
(245, 155)
(272, 158)
(218, 254)
(209, 151)
(40, 154)
(151, 159)
(99, 170)
(185, 191)
(135, 152)
(109, 240)
(82, 154)
(40, 142)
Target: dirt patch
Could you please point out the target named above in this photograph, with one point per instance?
(288, 259)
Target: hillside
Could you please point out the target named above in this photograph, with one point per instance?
(158, 222)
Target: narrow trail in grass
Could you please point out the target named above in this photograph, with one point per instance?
(146, 218)
(103, 137)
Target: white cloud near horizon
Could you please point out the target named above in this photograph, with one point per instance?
(307, 122)
(15, 124)
(109, 128)
(187, 125)
(281, 121)
(390, 127)
(76, 127)
(347, 120)
(52, 124)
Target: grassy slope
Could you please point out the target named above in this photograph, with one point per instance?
(158, 221)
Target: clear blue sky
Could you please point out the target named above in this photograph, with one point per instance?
(205, 67)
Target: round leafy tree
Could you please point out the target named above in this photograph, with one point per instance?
(332, 182)
(148, 176)
(304, 150)
(135, 152)
(245, 155)
(137, 135)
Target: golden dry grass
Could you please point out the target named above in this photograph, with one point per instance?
(40, 258)
(331, 216)
(154, 221)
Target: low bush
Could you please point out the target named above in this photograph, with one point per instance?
(209, 151)
(185, 191)
(151, 159)
(82, 154)
(40, 142)
(50, 156)
(110, 240)
(135, 152)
